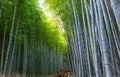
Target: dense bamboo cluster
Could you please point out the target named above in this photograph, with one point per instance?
(29, 45)
(94, 38)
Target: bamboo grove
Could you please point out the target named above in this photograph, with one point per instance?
(94, 40)
(33, 45)
(93, 36)
(30, 44)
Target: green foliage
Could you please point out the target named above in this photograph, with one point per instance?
(51, 34)
(36, 22)
(62, 9)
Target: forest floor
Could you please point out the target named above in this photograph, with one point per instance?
(62, 72)
(11, 75)
(20, 75)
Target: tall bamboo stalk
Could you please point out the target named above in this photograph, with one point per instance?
(116, 9)
(10, 39)
(4, 37)
(103, 38)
